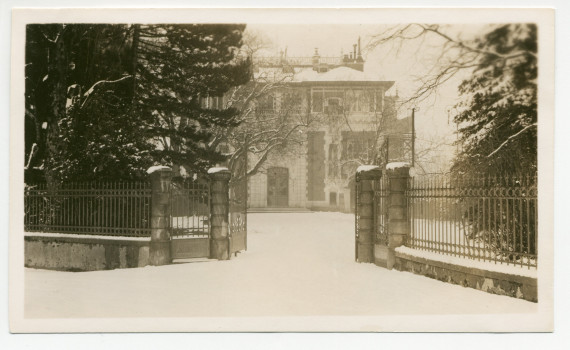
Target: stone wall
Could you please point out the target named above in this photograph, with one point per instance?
(521, 287)
(84, 253)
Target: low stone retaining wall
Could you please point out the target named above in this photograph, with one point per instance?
(521, 287)
(84, 253)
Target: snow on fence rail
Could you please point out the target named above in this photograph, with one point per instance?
(102, 208)
(486, 218)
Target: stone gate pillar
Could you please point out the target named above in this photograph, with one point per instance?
(159, 249)
(366, 176)
(219, 213)
(398, 220)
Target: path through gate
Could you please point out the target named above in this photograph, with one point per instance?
(190, 220)
(190, 229)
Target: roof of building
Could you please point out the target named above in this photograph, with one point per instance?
(334, 76)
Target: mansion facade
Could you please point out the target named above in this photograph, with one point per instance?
(350, 121)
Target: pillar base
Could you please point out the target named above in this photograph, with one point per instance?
(365, 252)
(219, 249)
(159, 253)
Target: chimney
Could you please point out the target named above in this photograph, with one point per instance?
(354, 50)
(316, 59)
(359, 58)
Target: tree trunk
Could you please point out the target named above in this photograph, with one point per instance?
(57, 74)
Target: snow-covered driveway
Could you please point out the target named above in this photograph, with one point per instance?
(296, 264)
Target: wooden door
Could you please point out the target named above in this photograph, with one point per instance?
(277, 187)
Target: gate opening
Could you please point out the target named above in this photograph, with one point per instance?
(190, 220)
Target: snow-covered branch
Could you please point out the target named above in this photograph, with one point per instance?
(31, 156)
(99, 83)
(510, 138)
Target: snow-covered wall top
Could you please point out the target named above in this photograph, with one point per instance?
(152, 169)
(217, 170)
(366, 168)
(481, 265)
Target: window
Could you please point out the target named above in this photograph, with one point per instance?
(291, 101)
(212, 102)
(317, 100)
(328, 101)
(333, 161)
(267, 102)
(332, 198)
(366, 101)
(333, 105)
(379, 100)
(360, 100)
(358, 145)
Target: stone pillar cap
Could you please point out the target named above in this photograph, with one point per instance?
(154, 168)
(364, 168)
(218, 170)
(397, 165)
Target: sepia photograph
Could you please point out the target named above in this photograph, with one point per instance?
(322, 170)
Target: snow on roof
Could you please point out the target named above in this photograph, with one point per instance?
(339, 74)
(335, 74)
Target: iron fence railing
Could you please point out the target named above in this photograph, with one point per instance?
(294, 61)
(280, 111)
(101, 208)
(487, 218)
(190, 209)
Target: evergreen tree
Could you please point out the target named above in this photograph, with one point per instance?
(499, 117)
(79, 124)
(178, 66)
(98, 97)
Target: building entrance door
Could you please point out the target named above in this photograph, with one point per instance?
(278, 187)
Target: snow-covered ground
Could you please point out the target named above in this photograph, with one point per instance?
(298, 264)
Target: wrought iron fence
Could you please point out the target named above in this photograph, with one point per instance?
(102, 208)
(190, 209)
(380, 210)
(294, 61)
(280, 111)
(486, 218)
